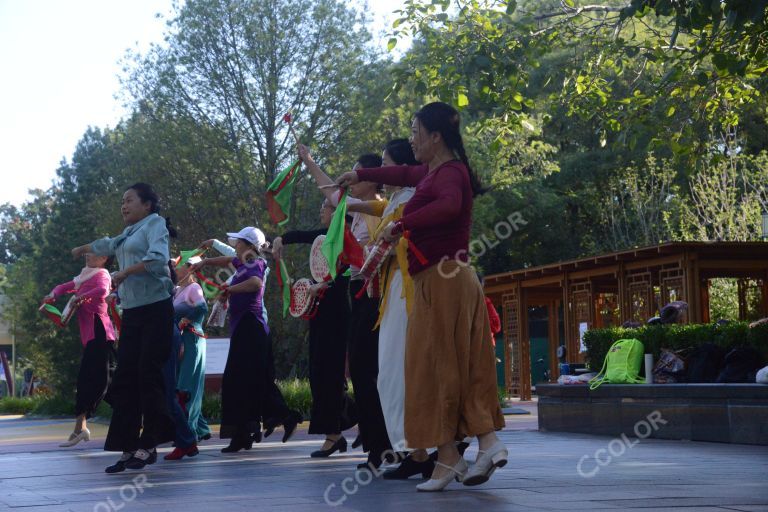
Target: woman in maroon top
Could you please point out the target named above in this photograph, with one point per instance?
(450, 378)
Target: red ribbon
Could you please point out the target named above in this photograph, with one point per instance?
(208, 281)
(415, 250)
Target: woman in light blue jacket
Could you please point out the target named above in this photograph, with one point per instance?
(137, 393)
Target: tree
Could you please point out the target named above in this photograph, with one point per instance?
(239, 66)
(711, 54)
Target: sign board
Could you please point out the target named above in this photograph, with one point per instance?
(216, 350)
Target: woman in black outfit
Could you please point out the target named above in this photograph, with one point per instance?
(327, 347)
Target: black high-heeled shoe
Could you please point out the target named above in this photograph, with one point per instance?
(290, 423)
(357, 442)
(238, 444)
(340, 445)
(410, 467)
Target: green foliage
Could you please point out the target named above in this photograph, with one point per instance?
(44, 405)
(13, 405)
(675, 337)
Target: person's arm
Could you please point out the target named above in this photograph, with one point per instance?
(155, 262)
(100, 285)
(395, 175)
(449, 185)
(221, 247)
(219, 261)
(324, 182)
(301, 237)
(250, 285)
(136, 268)
(62, 289)
(294, 237)
(374, 207)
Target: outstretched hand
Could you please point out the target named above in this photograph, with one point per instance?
(347, 179)
(304, 154)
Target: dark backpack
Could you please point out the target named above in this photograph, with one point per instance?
(705, 363)
(741, 365)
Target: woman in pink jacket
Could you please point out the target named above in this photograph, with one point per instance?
(91, 288)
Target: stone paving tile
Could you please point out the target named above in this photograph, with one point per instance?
(541, 475)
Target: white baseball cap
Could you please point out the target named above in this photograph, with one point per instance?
(250, 234)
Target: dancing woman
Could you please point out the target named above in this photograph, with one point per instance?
(450, 385)
(363, 340)
(327, 345)
(145, 287)
(248, 383)
(191, 308)
(91, 288)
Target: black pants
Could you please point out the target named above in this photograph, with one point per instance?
(248, 389)
(96, 368)
(327, 358)
(138, 388)
(363, 345)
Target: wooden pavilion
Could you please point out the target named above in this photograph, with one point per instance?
(611, 289)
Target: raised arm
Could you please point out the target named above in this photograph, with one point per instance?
(324, 182)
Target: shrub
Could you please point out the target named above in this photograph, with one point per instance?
(13, 405)
(675, 337)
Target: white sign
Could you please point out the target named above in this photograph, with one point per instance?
(216, 350)
(583, 327)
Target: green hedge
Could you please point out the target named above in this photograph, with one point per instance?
(296, 392)
(41, 405)
(675, 337)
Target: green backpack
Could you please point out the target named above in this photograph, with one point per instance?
(623, 363)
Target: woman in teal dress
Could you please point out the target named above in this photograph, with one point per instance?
(190, 310)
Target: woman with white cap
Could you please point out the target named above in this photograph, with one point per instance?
(247, 384)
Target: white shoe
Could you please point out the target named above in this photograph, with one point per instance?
(486, 463)
(74, 438)
(456, 472)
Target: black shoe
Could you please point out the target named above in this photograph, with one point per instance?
(256, 437)
(205, 437)
(462, 447)
(358, 441)
(340, 445)
(373, 462)
(410, 467)
(289, 425)
(238, 444)
(119, 466)
(136, 463)
(270, 424)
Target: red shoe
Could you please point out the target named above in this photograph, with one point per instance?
(178, 453)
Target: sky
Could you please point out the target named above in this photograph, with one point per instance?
(59, 67)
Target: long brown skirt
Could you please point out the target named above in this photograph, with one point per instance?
(450, 366)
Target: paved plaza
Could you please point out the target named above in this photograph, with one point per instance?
(544, 473)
